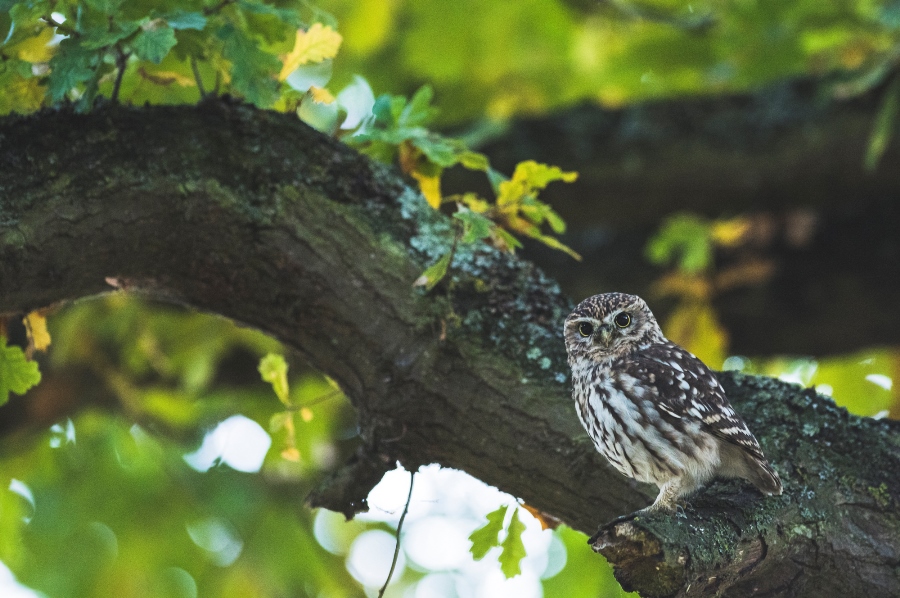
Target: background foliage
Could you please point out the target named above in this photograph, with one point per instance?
(115, 482)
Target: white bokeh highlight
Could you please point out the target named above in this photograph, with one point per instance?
(370, 556)
(10, 588)
(238, 442)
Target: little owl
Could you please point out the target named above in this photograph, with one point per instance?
(655, 411)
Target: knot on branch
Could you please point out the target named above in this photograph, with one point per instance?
(639, 560)
(347, 489)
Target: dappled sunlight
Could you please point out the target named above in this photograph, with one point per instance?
(446, 506)
(10, 588)
(862, 382)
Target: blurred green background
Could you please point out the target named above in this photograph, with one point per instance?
(153, 460)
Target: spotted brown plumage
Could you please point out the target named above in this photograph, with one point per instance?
(654, 410)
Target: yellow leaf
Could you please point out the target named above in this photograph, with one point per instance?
(546, 520)
(537, 175)
(291, 454)
(557, 244)
(316, 44)
(729, 233)
(430, 187)
(22, 95)
(694, 326)
(35, 49)
(38, 336)
(511, 192)
(475, 203)
(321, 95)
(166, 78)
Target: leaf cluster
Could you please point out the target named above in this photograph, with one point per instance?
(74, 51)
(398, 131)
(18, 371)
(487, 537)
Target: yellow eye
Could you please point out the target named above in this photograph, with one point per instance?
(585, 329)
(623, 320)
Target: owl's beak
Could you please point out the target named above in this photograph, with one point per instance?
(604, 333)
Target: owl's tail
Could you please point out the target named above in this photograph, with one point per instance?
(740, 463)
(763, 476)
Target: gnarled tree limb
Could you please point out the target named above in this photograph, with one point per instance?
(255, 216)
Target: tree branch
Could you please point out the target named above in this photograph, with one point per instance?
(257, 217)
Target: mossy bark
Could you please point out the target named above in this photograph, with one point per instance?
(255, 216)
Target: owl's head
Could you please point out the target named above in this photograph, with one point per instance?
(610, 325)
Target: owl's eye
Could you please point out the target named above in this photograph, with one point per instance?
(623, 320)
(585, 329)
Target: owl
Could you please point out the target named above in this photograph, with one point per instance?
(654, 410)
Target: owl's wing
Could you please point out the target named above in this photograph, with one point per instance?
(685, 389)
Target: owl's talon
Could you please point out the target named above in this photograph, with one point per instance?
(620, 519)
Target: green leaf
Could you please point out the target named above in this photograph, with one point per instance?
(419, 110)
(475, 226)
(17, 374)
(438, 149)
(487, 536)
(511, 242)
(883, 129)
(685, 237)
(474, 161)
(181, 19)
(107, 7)
(278, 421)
(495, 177)
(287, 15)
(72, 64)
(154, 42)
(555, 243)
(387, 109)
(555, 221)
(513, 548)
(273, 369)
(252, 70)
(102, 38)
(434, 273)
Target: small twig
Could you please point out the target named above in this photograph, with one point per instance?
(121, 64)
(412, 477)
(197, 77)
(215, 90)
(319, 399)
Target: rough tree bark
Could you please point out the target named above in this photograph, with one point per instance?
(254, 216)
(790, 156)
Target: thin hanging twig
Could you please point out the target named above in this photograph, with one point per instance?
(197, 77)
(121, 64)
(412, 477)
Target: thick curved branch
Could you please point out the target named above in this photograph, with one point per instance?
(255, 216)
